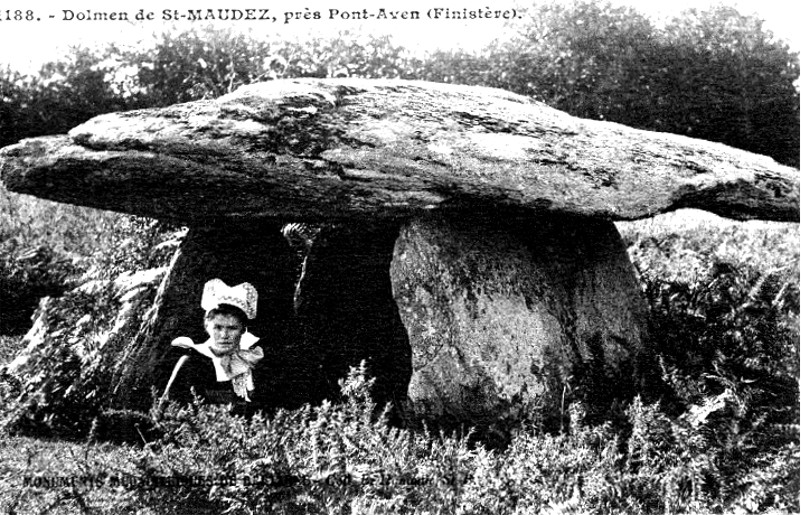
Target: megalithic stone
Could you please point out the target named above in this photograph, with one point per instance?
(512, 311)
(508, 274)
(325, 149)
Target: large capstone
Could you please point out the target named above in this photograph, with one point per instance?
(320, 149)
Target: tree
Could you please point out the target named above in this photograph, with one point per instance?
(195, 64)
(208, 63)
(64, 94)
(722, 77)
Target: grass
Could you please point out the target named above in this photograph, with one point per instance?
(9, 346)
(342, 459)
(25, 462)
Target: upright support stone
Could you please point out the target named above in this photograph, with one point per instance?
(251, 252)
(609, 311)
(503, 312)
(345, 305)
(485, 322)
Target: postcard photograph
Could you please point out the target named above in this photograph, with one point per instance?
(305, 257)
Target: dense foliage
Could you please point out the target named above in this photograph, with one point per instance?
(47, 248)
(62, 95)
(344, 459)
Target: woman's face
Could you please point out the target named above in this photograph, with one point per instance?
(225, 330)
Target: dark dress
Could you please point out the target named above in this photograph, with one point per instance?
(196, 372)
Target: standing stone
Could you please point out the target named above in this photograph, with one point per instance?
(609, 311)
(344, 303)
(503, 312)
(235, 253)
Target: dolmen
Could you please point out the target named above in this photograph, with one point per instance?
(464, 245)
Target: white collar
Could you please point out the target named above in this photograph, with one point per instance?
(247, 341)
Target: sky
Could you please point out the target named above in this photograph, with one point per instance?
(27, 44)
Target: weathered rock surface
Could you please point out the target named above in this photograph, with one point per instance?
(315, 149)
(504, 313)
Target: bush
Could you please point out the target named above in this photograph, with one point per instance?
(343, 459)
(8, 346)
(56, 390)
(87, 306)
(724, 304)
(26, 275)
(48, 248)
(312, 460)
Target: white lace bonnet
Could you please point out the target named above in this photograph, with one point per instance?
(243, 296)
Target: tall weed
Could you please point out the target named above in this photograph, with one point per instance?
(724, 301)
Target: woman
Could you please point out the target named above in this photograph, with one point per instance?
(221, 369)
